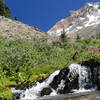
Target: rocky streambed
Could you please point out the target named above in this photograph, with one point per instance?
(78, 96)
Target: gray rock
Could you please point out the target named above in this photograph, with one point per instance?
(84, 22)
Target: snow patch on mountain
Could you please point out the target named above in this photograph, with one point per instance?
(80, 21)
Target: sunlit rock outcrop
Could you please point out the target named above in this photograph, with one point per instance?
(84, 22)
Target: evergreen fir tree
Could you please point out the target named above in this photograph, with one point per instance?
(78, 37)
(4, 9)
(63, 36)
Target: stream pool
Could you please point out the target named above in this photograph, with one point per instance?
(78, 96)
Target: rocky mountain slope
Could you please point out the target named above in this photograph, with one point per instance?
(12, 28)
(84, 22)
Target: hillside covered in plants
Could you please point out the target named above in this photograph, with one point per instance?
(23, 61)
(28, 54)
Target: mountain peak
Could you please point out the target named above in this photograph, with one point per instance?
(95, 5)
(84, 22)
(88, 8)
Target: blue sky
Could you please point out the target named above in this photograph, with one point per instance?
(43, 13)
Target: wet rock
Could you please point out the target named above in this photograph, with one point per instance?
(57, 79)
(71, 79)
(16, 96)
(90, 63)
(68, 85)
(26, 85)
(98, 81)
(95, 70)
(46, 91)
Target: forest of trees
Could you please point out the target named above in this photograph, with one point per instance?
(4, 9)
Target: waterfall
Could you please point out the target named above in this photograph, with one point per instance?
(33, 92)
(85, 75)
(85, 78)
(75, 78)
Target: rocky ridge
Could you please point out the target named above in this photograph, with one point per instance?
(13, 28)
(84, 22)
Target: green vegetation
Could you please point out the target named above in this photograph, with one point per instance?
(28, 60)
(4, 10)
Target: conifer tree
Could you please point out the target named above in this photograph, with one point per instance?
(4, 9)
(63, 36)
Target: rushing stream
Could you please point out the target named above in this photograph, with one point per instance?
(77, 79)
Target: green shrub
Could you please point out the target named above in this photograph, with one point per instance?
(22, 60)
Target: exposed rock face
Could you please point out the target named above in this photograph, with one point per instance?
(10, 28)
(85, 22)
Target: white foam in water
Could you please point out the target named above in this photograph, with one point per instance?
(53, 93)
(33, 93)
(82, 90)
(84, 73)
(74, 70)
(16, 91)
(85, 77)
(61, 85)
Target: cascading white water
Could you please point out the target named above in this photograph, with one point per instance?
(61, 85)
(84, 77)
(84, 80)
(33, 92)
